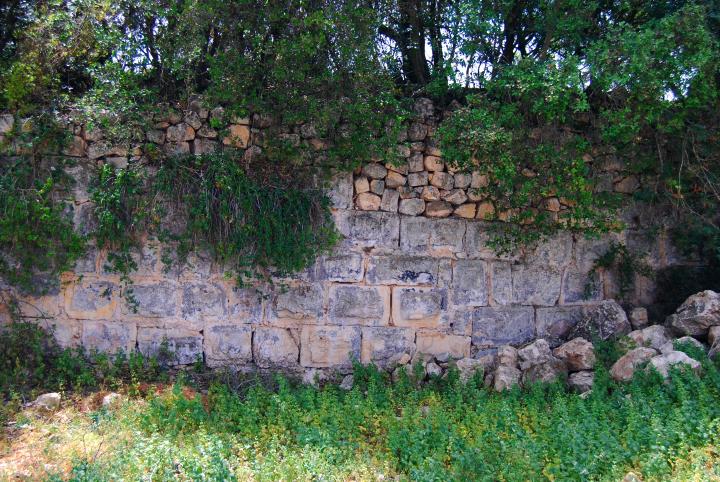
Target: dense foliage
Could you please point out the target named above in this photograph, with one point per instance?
(441, 430)
(540, 94)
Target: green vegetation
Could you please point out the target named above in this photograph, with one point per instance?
(279, 228)
(226, 427)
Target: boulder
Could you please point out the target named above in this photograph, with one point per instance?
(654, 336)
(577, 353)
(505, 378)
(347, 383)
(662, 363)
(624, 369)
(714, 350)
(670, 345)
(546, 372)
(433, 369)
(507, 355)
(638, 318)
(469, 366)
(48, 401)
(582, 381)
(713, 335)
(697, 314)
(607, 320)
(534, 354)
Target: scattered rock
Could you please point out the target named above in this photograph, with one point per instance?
(697, 314)
(433, 369)
(662, 363)
(469, 366)
(508, 356)
(505, 378)
(624, 369)
(654, 336)
(48, 401)
(534, 354)
(398, 359)
(545, 372)
(111, 400)
(347, 383)
(581, 382)
(578, 353)
(607, 320)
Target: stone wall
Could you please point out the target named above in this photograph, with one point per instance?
(413, 274)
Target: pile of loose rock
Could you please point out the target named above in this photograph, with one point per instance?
(696, 322)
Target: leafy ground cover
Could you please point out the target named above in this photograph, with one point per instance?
(194, 426)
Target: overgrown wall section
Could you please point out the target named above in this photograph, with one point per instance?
(403, 280)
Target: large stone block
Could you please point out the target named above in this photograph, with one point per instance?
(380, 344)
(556, 251)
(496, 326)
(182, 347)
(359, 305)
(276, 348)
(329, 346)
(369, 228)
(536, 285)
(427, 234)
(245, 305)
(91, 300)
(439, 343)
(109, 336)
(345, 268)
(501, 283)
(579, 288)
(146, 258)
(203, 301)
(298, 304)
(469, 283)
(477, 238)
(403, 270)
(419, 307)
(227, 345)
(154, 300)
(556, 322)
(341, 190)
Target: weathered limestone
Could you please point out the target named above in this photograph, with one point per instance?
(581, 382)
(227, 345)
(419, 307)
(359, 305)
(439, 343)
(182, 347)
(109, 337)
(697, 314)
(652, 336)
(663, 363)
(301, 303)
(402, 270)
(329, 346)
(606, 321)
(503, 326)
(577, 353)
(624, 369)
(276, 348)
(381, 345)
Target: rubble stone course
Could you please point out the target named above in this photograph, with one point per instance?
(413, 274)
